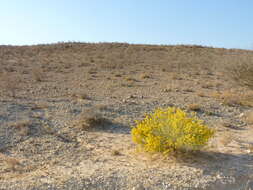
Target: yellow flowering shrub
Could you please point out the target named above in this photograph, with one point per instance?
(171, 129)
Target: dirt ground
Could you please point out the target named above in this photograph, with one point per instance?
(48, 92)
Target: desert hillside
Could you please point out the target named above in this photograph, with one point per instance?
(66, 112)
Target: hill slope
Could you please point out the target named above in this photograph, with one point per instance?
(49, 91)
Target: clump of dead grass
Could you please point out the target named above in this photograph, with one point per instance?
(130, 79)
(201, 94)
(241, 70)
(250, 148)
(207, 85)
(233, 98)
(249, 117)
(226, 139)
(115, 153)
(194, 107)
(23, 126)
(82, 96)
(10, 83)
(118, 75)
(91, 118)
(11, 163)
(39, 105)
(145, 76)
(38, 74)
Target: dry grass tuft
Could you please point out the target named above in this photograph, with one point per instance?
(250, 148)
(226, 125)
(145, 76)
(118, 75)
(101, 107)
(194, 107)
(84, 96)
(249, 117)
(10, 83)
(207, 85)
(115, 153)
(226, 139)
(241, 70)
(91, 118)
(176, 76)
(130, 79)
(39, 105)
(22, 126)
(201, 94)
(38, 74)
(12, 163)
(233, 98)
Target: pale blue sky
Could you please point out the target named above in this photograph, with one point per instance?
(218, 23)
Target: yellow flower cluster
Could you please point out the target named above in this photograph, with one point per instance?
(171, 129)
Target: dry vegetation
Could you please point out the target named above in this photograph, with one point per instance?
(66, 111)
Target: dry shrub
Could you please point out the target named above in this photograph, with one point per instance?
(101, 107)
(176, 76)
(12, 163)
(128, 84)
(233, 98)
(226, 124)
(249, 117)
(194, 107)
(115, 153)
(118, 75)
(91, 118)
(145, 76)
(38, 74)
(250, 148)
(241, 70)
(10, 83)
(201, 94)
(92, 71)
(188, 90)
(23, 126)
(226, 139)
(207, 85)
(130, 79)
(82, 96)
(39, 105)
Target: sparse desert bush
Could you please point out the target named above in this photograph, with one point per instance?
(249, 117)
(11, 163)
(250, 148)
(194, 107)
(91, 118)
(82, 96)
(10, 83)
(233, 98)
(145, 76)
(201, 94)
(23, 126)
(115, 153)
(226, 139)
(39, 105)
(118, 75)
(38, 74)
(130, 79)
(169, 130)
(241, 70)
(207, 85)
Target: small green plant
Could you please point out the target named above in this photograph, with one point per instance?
(169, 130)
